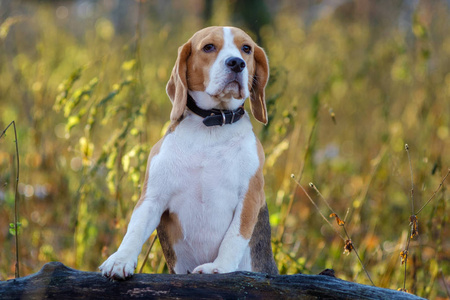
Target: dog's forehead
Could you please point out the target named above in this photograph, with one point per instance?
(216, 34)
(240, 35)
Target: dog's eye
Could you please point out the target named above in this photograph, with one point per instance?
(209, 48)
(247, 49)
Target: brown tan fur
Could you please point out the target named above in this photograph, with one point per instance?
(200, 62)
(169, 232)
(255, 223)
(177, 87)
(191, 70)
(254, 199)
(258, 70)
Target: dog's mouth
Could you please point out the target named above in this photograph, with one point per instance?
(229, 86)
(232, 89)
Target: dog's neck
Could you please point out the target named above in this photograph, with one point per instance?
(215, 117)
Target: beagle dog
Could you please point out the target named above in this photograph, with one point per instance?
(204, 186)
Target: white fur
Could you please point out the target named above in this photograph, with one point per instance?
(212, 186)
(201, 174)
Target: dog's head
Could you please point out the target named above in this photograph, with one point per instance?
(220, 67)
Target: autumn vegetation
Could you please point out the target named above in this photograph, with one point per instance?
(351, 84)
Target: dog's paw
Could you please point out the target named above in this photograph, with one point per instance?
(118, 266)
(211, 268)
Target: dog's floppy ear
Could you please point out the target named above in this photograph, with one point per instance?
(177, 88)
(257, 94)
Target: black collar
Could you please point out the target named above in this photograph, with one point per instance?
(214, 117)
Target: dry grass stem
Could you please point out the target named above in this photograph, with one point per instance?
(435, 192)
(445, 283)
(414, 223)
(412, 179)
(349, 246)
(315, 205)
(405, 252)
(291, 199)
(148, 252)
(346, 214)
(413, 220)
(322, 197)
(404, 259)
(16, 200)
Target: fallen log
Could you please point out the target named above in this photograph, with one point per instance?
(56, 281)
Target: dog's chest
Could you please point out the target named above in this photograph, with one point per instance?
(208, 171)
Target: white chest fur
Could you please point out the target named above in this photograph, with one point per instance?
(204, 172)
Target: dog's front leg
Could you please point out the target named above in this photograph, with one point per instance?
(235, 242)
(146, 216)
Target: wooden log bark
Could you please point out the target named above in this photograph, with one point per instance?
(56, 281)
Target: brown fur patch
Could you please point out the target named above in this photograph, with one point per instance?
(258, 70)
(169, 232)
(200, 62)
(259, 82)
(254, 199)
(177, 87)
(173, 125)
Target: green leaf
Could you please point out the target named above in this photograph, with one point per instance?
(12, 229)
(117, 88)
(65, 87)
(126, 162)
(73, 121)
(83, 93)
(134, 131)
(106, 99)
(128, 65)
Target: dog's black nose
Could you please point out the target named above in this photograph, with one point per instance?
(235, 64)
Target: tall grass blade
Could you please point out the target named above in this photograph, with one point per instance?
(16, 200)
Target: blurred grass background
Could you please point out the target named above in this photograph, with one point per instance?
(351, 83)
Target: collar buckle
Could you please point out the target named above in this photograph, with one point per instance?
(224, 119)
